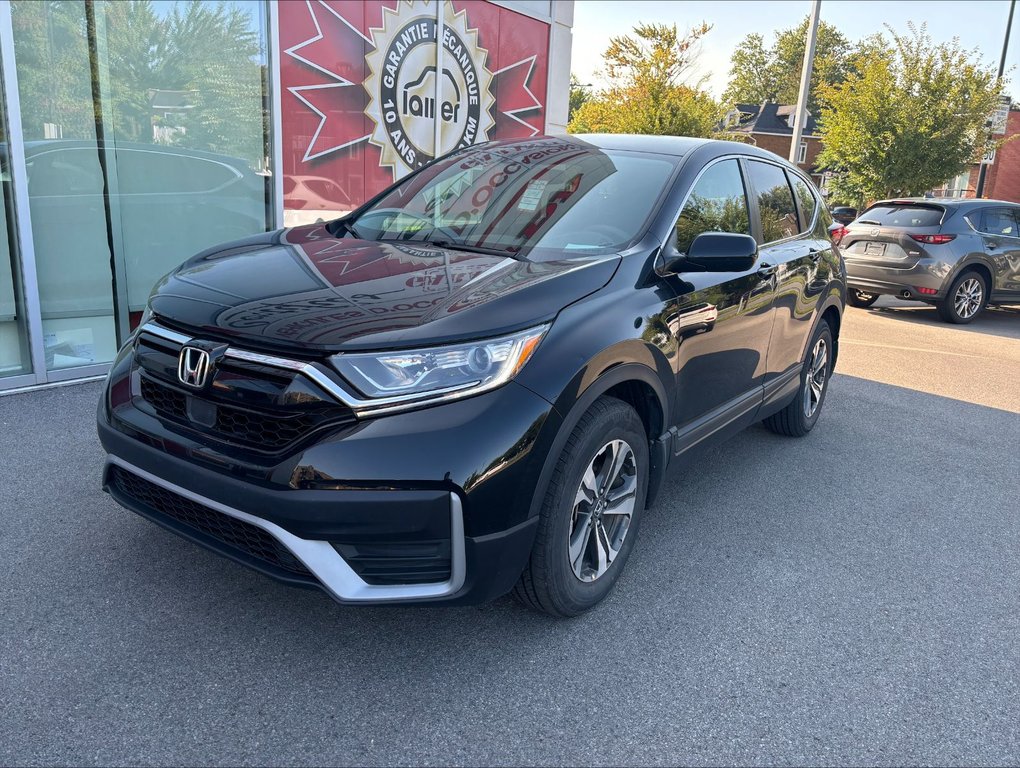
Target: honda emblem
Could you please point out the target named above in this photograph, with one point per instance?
(193, 367)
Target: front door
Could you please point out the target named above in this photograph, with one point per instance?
(721, 321)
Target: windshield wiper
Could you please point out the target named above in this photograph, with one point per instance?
(869, 221)
(458, 246)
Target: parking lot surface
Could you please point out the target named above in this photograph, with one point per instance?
(852, 597)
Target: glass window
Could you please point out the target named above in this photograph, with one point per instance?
(998, 221)
(176, 164)
(806, 201)
(160, 171)
(908, 215)
(14, 354)
(717, 203)
(534, 199)
(775, 201)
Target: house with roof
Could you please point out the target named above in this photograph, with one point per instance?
(770, 126)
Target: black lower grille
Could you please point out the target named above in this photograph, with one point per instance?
(390, 563)
(249, 539)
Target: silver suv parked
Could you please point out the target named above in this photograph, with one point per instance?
(959, 255)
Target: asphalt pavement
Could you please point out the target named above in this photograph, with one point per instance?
(848, 598)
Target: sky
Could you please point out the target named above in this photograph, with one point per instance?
(978, 23)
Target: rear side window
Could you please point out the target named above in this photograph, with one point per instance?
(775, 201)
(806, 201)
(903, 215)
(997, 221)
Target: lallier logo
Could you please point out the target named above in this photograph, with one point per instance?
(409, 93)
(418, 73)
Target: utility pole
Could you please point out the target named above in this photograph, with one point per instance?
(980, 191)
(805, 80)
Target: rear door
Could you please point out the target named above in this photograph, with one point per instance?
(789, 248)
(881, 237)
(999, 230)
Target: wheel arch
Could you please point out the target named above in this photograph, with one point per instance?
(635, 384)
(830, 310)
(975, 265)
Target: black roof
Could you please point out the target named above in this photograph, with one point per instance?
(945, 202)
(770, 118)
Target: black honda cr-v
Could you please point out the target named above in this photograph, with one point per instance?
(475, 382)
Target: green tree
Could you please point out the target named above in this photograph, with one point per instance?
(578, 96)
(649, 92)
(912, 115)
(759, 73)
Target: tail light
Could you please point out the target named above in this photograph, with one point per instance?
(933, 239)
(836, 234)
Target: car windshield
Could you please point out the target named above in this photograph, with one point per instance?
(540, 199)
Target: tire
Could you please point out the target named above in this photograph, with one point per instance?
(965, 299)
(800, 416)
(860, 299)
(555, 581)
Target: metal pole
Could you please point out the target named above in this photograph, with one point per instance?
(980, 191)
(805, 80)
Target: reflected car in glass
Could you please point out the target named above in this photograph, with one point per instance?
(958, 255)
(474, 383)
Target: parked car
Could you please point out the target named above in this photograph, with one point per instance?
(959, 255)
(475, 382)
(843, 214)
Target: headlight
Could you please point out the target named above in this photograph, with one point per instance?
(437, 373)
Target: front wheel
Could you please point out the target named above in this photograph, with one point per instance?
(860, 299)
(965, 298)
(590, 515)
(799, 417)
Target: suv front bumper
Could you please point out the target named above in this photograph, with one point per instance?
(425, 506)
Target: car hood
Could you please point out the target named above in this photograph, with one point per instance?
(304, 289)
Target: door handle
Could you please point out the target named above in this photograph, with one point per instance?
(767, 270)
(816, 255)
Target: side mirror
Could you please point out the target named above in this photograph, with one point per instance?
(716, 252)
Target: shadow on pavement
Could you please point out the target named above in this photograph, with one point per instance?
(996, 321)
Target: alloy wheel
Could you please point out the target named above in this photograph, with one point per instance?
(968, 298)
(602, 511)
(818, 370)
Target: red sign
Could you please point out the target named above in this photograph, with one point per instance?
(373, 90)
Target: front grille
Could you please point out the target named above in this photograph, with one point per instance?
(248, 538)
(261, 430)
(167, 402)
(257, 430)
(248, 405)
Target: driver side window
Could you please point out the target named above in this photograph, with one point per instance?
(718, 203)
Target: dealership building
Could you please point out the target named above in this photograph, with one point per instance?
(134, 135)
